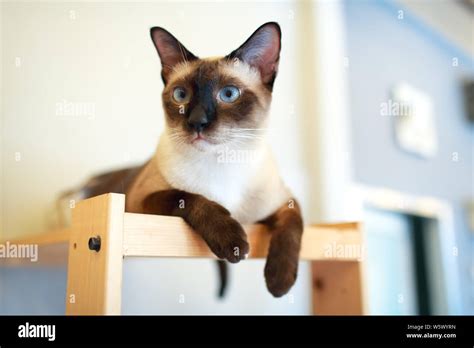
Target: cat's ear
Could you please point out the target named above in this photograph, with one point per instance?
(170, 50)
(262, 51)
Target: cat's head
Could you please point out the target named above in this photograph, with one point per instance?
(210, 102)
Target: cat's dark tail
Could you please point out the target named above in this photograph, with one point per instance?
(223, 273)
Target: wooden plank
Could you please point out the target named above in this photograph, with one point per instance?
(337, 288)
(95, 277)
(50, 237)
(51, 248)
(48, 255)
(165, 236)
(339, 242)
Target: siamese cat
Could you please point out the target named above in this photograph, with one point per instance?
(216, 106)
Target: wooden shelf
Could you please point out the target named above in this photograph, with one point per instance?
(52, 249)
(167, 236)
(95, 277)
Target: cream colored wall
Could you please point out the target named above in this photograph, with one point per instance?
(99, 56)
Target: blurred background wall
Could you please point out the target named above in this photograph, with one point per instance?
(386, 47)
(339, 63)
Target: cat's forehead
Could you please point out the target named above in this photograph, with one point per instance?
(214, 69)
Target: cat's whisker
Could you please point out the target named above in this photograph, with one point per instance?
(237, 143)
(251, 129)
(245, 132)
(246, 136)
(249, 138)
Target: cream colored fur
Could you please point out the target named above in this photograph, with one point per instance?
(241, 176)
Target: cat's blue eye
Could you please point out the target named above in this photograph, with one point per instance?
(180, 95)
(229, 94)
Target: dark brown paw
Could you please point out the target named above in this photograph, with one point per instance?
(227, 239)
(280, 273)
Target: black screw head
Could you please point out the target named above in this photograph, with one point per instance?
(94, 243)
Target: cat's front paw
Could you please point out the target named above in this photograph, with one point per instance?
(227, 239)
(280, 273)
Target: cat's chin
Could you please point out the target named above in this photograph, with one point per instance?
(207, 147)
(202, 145)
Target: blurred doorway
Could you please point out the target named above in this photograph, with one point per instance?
(403, 263)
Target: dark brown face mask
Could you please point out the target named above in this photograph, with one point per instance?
(201, 98)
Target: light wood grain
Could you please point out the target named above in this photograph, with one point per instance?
(337, 288)
(49, 255)
(165, 236)
(52, 249)
(95, 278)
(50, 237)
